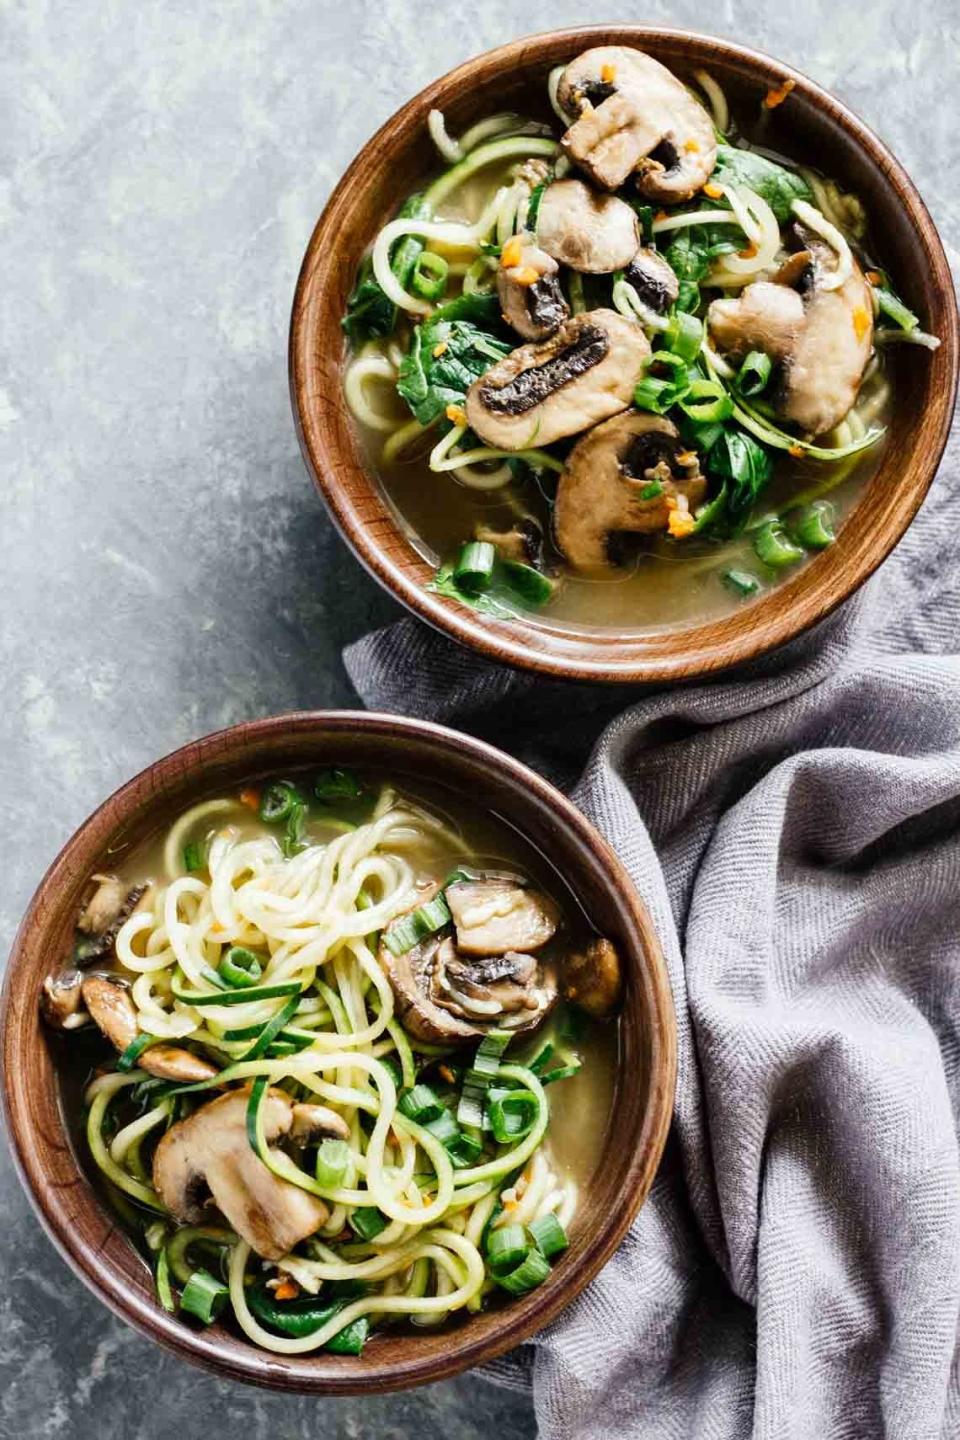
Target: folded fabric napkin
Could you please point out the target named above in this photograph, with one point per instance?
(793, 829)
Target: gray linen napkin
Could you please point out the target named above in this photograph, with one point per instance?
(794, 830)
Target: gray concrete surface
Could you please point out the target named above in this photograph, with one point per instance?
(166, 567)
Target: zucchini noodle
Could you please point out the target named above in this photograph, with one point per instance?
(360, 373)
(313, 921)
(816, 221)
(718, 100)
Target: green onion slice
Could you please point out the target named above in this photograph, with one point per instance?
(754, 374)
(420, 1104)
(893, 307)
(813, 525)
(684, 335)
(194, 857)
(240, 967)
(507, 1248)
(333, 1157)
(476, 1081)
(513, 1114)
(473, 571)
(531, 1272)
(774, 547)
(529, 584)
(429, 278)
(203, 1296)
(651, 491)
(549, 1236)
(277, 800)
(410, 929)
(706, 401)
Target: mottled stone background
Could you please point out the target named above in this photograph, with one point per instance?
(166, 567)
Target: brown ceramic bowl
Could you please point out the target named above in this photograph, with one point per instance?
(78, 1220)
(810, 124)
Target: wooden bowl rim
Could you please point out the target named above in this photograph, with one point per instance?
(479, 1340)
(606, 655)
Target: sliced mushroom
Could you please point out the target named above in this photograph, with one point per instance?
(631, 114)
(110, 907)
(317, 1122)
(446, 998)
(529, 290)
(601, 489)
(61, 1001)
(653, 279)
(764, 316)
(103, 905)
(208, 1158)
(593, 979)
(822, 374)
(110, 1004)
(584, 373)
(523, 542)
(173, 1062)
(822, 337)
(592, 233)
(493, 916)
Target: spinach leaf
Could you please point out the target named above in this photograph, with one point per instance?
(465, 333)
(370, 311)
(744, 468)
(772, 182)
(692, 251)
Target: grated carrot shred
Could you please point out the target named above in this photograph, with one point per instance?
(250, 798)
(446, 1073)
(526, 275)
(797, 451)
(456, 415)
(438, 350)
(287, 1289)
(680, 523)
(660, 215)
(692, 147)
(874, 277)
(608, 73)
(778, 94)
(714, 191)
(861, 322)
(748, 252)
(512, 252)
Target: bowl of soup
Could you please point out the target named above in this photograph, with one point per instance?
(623, 353)
(325, 1075)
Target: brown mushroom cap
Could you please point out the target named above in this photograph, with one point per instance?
(595, 234)
(593, 978)
(61, 1000)
(492, 915)
(207, 1158)
(653, 279)
(764, 316)
(110, 1004)
(599, 494)
(584, 373)
(634, 115)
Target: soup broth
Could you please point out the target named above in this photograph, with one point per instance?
(333, 951)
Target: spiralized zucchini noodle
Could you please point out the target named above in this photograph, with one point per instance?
(418, 1216)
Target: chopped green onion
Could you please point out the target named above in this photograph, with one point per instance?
(277, 800)
(530, 1273)
(651, 491)
(473, 571)
(774, 547)
(684, 335)
(893, 307)
(134, 1050)
(813, 525)
(462, 1148)
(477, 1079)
(410, 929)
(194, 857)
(542, 1060)
(654, 394)
(741, 582)
(507, 1247)
(706, 401)
(444, 1127)
(429, 278)
(562, 1072)
(513, 1114)
(529, 584)
(420, 1104)
(161, 1276)
(236, 997)
(331, 785)
(549, 1236)
(754, 374)
(333, 1157)
(368, 1222)
(203, 1296)
(240, 967)
(293, 841)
